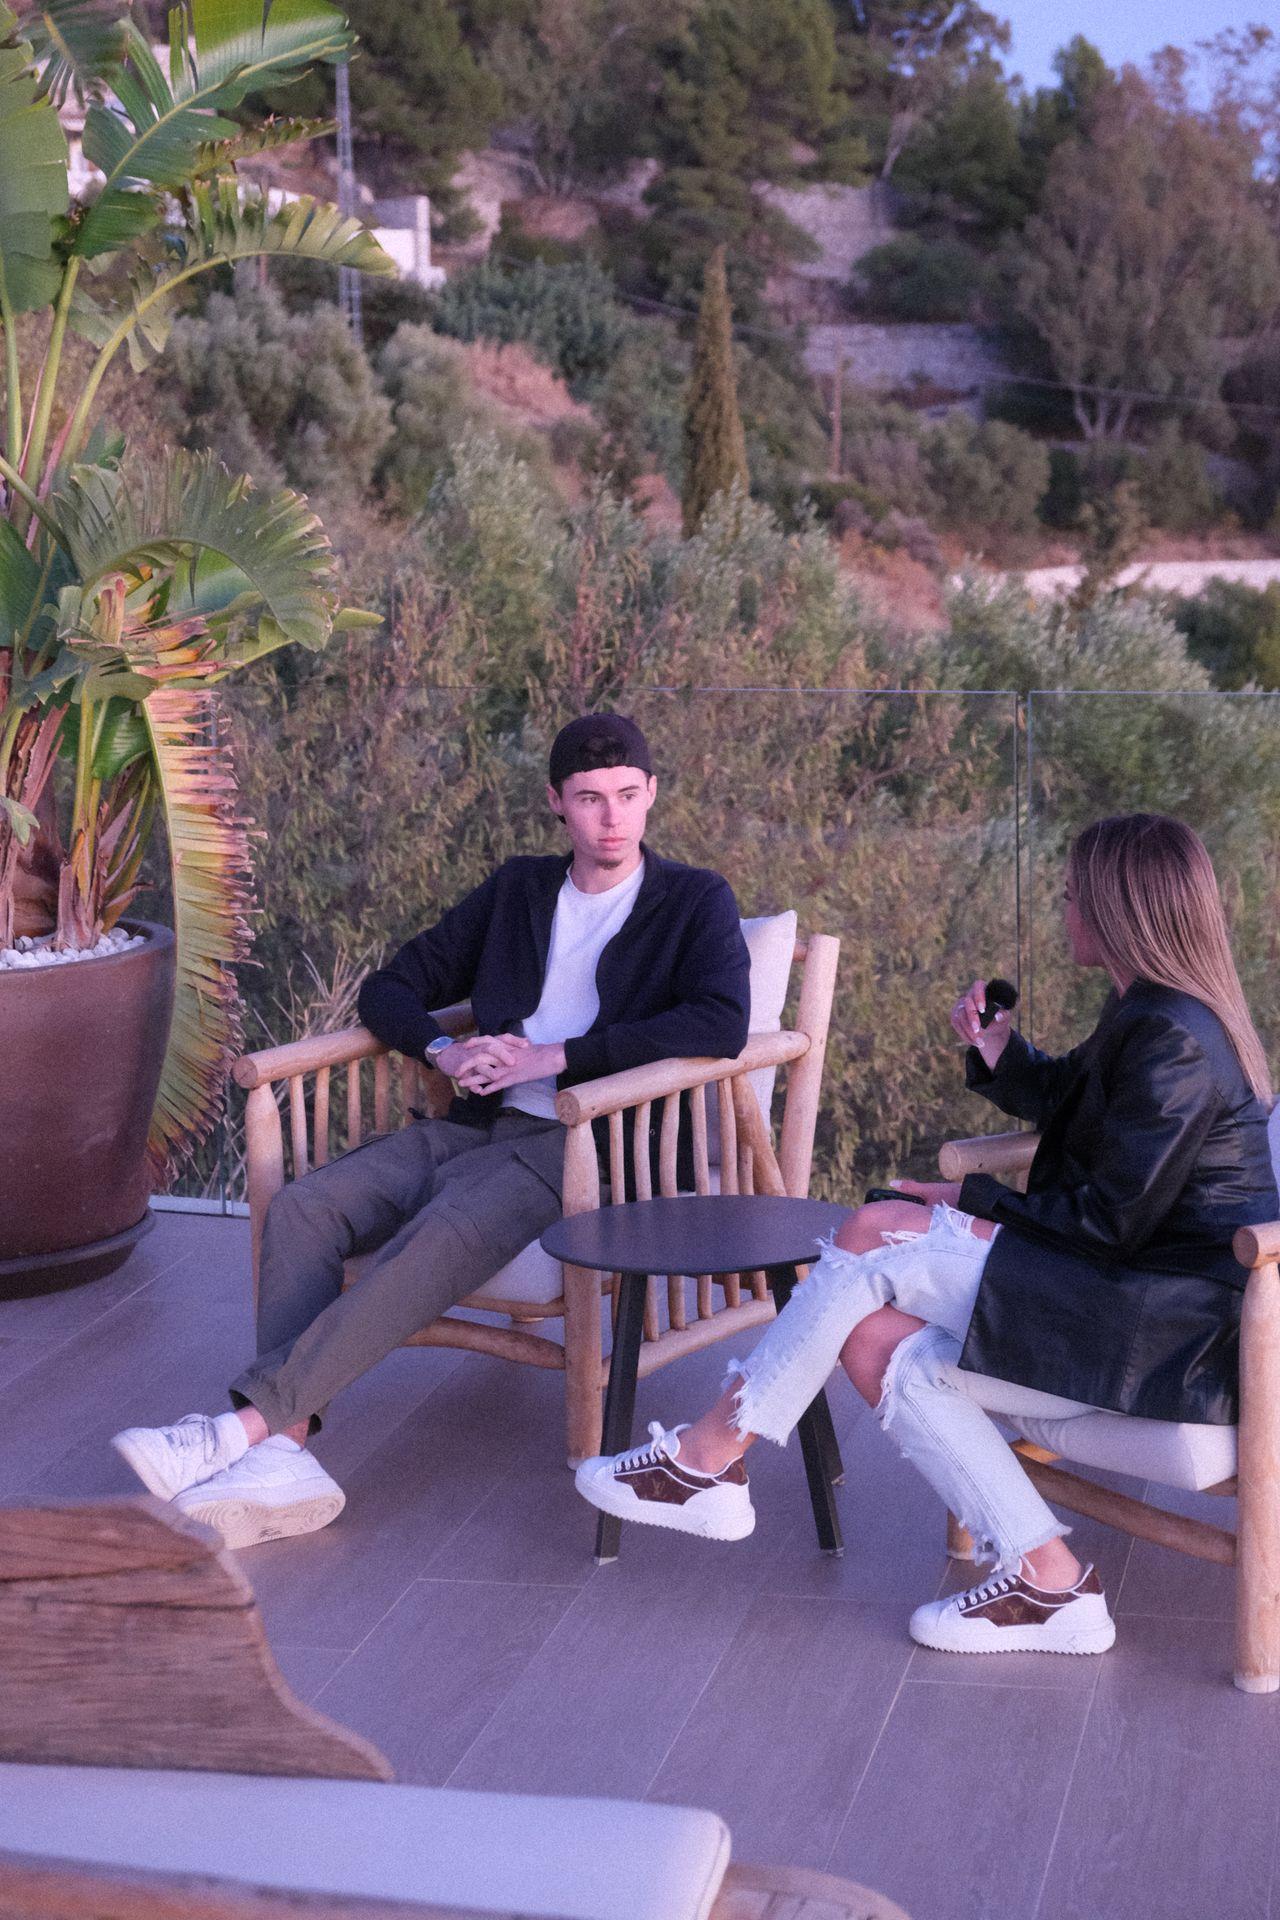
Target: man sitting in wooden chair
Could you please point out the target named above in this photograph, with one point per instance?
(575, 967)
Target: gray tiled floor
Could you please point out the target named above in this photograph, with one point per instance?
(454, 1615)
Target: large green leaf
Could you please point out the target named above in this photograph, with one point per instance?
(123, 737)
(210, 862)
(239, 44)
(79, 45)
(223, 230)
(33, 177)
(19, 582)
(151, 139)
(190, 505)
(274, 132)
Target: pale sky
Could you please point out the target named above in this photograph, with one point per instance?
(1121, 29)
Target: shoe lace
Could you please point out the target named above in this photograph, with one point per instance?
(657, 1450)
(989, 1590)
(194, 1436)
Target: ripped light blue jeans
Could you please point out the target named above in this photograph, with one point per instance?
(933, 1274)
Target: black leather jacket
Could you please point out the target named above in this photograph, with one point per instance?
(1113, 1281)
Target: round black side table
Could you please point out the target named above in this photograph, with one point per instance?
(701, 1233)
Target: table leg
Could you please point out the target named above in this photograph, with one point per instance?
(818, 1444)
(620, 1398)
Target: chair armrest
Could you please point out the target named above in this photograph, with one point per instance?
(988, 1153)
(616, 1091)
(330, 1050)
(1257, 1246)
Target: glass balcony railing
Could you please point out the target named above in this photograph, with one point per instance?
(926, 829)
(1212, 759)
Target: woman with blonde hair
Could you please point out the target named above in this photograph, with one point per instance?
(1110, 1283)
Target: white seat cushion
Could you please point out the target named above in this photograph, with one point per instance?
(1175, 1455)
(493, 1852)
(771, 943)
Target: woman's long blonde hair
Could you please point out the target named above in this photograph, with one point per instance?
(1147, 892)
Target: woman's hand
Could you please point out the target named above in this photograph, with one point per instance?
(934, 1193)
(990, 1041)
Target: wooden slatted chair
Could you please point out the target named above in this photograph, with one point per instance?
(154, 1765)
(1243, 1461)
(733, 1153)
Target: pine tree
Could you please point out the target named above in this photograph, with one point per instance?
(715, 449)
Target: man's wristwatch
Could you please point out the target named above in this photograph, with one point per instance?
(434, 1048)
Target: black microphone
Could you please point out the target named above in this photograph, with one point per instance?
(1001, 997)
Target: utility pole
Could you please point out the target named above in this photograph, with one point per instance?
(348, 278)
(837, 415)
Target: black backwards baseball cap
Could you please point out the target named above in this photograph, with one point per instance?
(597, 740)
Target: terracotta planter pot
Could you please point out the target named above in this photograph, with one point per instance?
(82, 1050)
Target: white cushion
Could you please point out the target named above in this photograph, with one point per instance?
(771, 943)
(492, 1852)
(533, 1276)
(1175, 1455)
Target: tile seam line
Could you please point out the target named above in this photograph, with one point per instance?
(748, 1601)
(880, 1731)
(847, 1815)
(1075, 1758)
(382, 1619)
(547, 1637)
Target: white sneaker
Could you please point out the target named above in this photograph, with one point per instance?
(649, 1485)
(167, 1460)
(276, 1490)
(1009, 1615)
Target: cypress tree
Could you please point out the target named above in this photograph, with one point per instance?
(715, 450)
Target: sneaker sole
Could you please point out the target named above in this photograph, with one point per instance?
(623, 1505)
(241, 1522)
(1021, 1640)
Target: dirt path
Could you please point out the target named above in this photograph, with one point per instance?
(1170, 576)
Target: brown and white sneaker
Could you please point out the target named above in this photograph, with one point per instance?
(1009, 1615)
(649, 1485)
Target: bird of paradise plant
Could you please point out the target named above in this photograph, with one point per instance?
(126, 595)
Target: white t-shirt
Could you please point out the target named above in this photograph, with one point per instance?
(583, 926)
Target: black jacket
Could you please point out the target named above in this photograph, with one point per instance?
(675, 979)
(1113, 1281)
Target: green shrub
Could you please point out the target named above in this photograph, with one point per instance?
(787, 433)
(1064, 497)
(1105, 750)
(434, 407)
(639, 403)
(839, 504)
(385, 304)
(406, 762)
(1169, 479)
(1173, 484)
(990, 476)
(514, 245)
(883, 455)
(283, 396)
(566, 315)
(914, 278)
(1233, 630)
(953, 473)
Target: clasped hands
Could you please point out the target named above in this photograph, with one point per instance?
(488, 1062)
